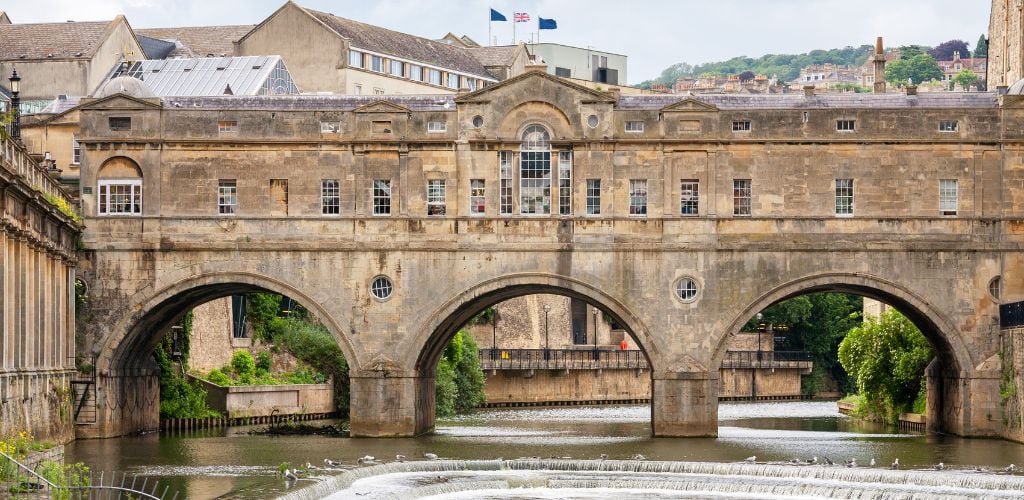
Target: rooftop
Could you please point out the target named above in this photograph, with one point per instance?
(199, 41)
(418, 102)
(51, 40)
(494, 56)
(404, 45)
(210, 76)
(799, 101)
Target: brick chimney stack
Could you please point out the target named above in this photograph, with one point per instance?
(879, 63)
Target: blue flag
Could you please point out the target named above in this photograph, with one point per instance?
(497, 16)
(547, 24)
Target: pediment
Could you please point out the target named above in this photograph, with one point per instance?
(120, 101)
(690, 105)
(530, 78)
(381, 106)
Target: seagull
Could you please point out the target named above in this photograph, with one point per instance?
(872, 461)
(851, 462)
(812, 461)
(751, 459)
(604, 456)
(639, 457)
(331, 463)
(895, 464)
(367, 460)
(829, 461)
(794, 461)
(940, 466)
(399, 458)
(310, 466)
(289, 475)
(1010, 468)
(430, 456)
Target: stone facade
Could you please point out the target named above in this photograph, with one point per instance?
(893, 241)
(1005, 36)
(212, 344)
(37, 306)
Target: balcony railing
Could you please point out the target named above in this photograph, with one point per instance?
(15, 159)
(561, 359)
(767, 359)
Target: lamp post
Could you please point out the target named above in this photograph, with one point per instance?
(15, 105)
(494, 334)
(596, 312)
(759, 326)
(547, 309)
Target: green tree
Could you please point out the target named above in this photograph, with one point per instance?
(886, 357)
(966, 78)
(944, 51)
(919, 68)
(261, 309)
(459, 381)
(908, 51)
(981, 48)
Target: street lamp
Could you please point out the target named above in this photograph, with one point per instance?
(759, 326)
(547, 309)
(494, 334)
(595, 311)
(15, 105)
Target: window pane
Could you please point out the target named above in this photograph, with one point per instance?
(741, 190)
(844, 196)
(435, 197)
(476, 196)
(565, 182)
(355, 59)
(415, 72)
(330, 197)
(689, 197)
(593, 196)
(382, 197)
(227, 196)
(505, 182)
(638, 197)
(948, 192)
(397, 68)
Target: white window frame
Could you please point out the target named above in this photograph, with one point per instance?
(741, 126)
(593, 197)
(436, 198)
(949, 199)
(948, 126)
(477, 197)
(76, 150)
(505, 186)
(416, 72)
(535, 158)
(376, 63)
(846, 125)
(330, 197)
(104, 201)
(449, 82)
(227, 196)
(471, 84)
(380, 195)
(396, 65)
(689, 196)
(227, 126)
(330, 127)
(434, 76)
(634, 126)
(565, 183)
(742, 197)
(436, 127)
(355, 59)
(638, 197)
(845, 197)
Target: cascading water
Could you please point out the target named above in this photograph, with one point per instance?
(529, 478)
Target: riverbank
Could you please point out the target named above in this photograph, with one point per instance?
(906, 422)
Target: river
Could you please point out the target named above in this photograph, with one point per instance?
(235, 464)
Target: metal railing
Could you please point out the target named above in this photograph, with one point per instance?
(767, 359)
(1011, 315)
(17, 480)
(14, 158)
(561, 359)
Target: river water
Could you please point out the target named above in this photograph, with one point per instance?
(235, 464)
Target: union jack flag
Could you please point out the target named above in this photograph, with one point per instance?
(521, 17)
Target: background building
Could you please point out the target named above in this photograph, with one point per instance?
(581, 63)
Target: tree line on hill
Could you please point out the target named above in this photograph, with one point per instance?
(917, 62)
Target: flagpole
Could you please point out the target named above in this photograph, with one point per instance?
(489, 23)
(514, 22)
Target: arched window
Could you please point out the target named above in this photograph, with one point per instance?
(119, 188)
(535, 172)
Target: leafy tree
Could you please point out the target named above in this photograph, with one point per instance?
(746, 76)
(459, 381)
(981, 47)
(919, 68)
(313, 344)
(908, 51)
(944, 51)
(966, 78)
(261, 309)
(887, 357)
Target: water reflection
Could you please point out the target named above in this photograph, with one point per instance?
(233, 464)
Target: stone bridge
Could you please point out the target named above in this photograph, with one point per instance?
(681, 217)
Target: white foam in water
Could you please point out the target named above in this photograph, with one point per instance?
(642, 413)
(644, 480)
(205, 470)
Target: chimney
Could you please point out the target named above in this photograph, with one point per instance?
(956, 55)
(879, 64)
(542, 67)
(808, 90)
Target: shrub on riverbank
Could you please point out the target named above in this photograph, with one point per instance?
(459, 381)
(312, 344)
(887, 356)
(179, 398)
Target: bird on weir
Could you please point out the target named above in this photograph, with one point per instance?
(331, 463)
(812, 461)
(895, 464)
(289, 475)
(751, 459)
(1010, 468)
(399, 458)
(430, 456)
(940, 466)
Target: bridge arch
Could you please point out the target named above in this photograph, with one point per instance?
(131, 338)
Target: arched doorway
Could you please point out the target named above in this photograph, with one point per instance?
(127, 388)
(952, 363)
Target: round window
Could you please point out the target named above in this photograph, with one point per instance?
(478, 121)
(995, 288)
(592, 121)
(381, 287)
(686, 289)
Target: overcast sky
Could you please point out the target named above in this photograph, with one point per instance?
(654, 34)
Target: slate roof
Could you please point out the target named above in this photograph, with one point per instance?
(418, 102)
(404, 45)
(51, 40)
(199, 41)
(494, 56)
(202, 76)
(799, 101)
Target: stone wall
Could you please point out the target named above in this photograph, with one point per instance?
(1012, 383)
(521, 325)
(1005, 49)
(211, 345)
(506, 386)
